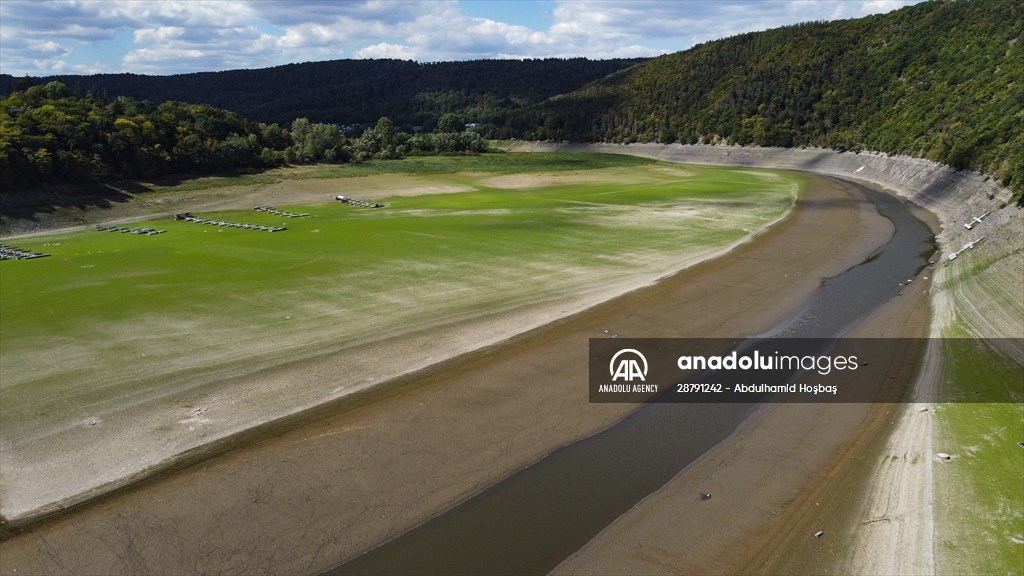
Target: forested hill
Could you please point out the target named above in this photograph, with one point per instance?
(355, 91)
(944, 81)
(939, 80)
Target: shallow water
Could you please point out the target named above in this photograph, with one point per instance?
(535, 518)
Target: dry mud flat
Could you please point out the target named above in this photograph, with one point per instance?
(308, 498)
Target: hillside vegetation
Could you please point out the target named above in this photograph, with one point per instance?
(936, 80)
(356, 91)
(49, 135)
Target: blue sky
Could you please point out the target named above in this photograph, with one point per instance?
(45, 37)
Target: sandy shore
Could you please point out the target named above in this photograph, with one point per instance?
(306, 498)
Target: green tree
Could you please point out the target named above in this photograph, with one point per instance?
(450, 123)
(382, 141)
(315, 143)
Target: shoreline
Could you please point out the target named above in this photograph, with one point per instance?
(900, 519)
(488, 434)
(769, 496)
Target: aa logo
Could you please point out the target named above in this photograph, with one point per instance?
(628, 364)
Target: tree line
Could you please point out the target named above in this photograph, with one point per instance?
(348, 92)
(54, 134)
(938, 80)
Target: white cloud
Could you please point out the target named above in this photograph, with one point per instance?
(388, 12)
(881, 6)
(48, 48)
(191, 13)
(635, 51)
(170, 36)
(146, 57)
(161, 34)
(175, 49)
(688, 22)
(312, 35)
(385, 50)
(456, 36)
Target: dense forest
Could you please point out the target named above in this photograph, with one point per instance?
(355, 92)
(53, 134)
(939, 80)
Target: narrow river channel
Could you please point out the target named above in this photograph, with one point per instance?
(535, 518)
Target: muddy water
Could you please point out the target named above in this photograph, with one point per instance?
(534, 519)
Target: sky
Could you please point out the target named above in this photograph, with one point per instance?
(51, 37)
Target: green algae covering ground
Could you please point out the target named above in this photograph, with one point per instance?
(114, 320)
(979, 492)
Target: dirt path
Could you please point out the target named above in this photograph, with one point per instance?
(306, 498)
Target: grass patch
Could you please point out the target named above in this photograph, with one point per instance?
(112, 322)
(980, 492)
